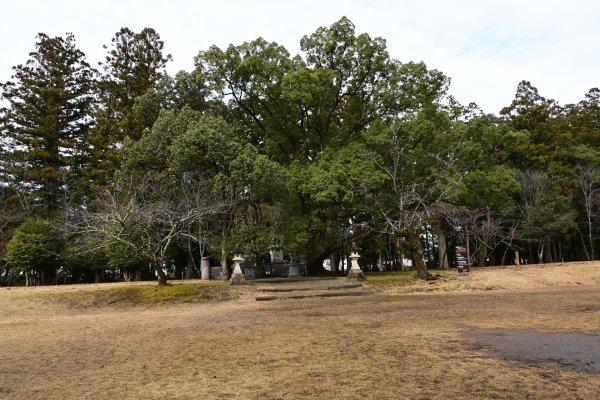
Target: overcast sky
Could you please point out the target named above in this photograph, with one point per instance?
(485, 46)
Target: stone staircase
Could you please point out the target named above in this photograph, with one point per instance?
(308, 288)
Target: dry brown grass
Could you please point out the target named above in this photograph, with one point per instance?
(393, 345)
(491, 278)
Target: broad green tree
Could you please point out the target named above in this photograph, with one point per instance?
(419, 157)
(186, 142)
(483, 208)
(36, 249)
(304, 110)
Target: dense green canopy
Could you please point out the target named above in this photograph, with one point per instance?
(256, 147)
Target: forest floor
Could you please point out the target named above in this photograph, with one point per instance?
(497, 333)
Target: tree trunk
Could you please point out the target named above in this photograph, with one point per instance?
(560, 254)
(417, 253)
(75, 274)
(334, 262)
(468, 249)
(591, 240)
(547, 252)
(43, 277)
(503, 258)
(541, 253)
(554, 252)
(492, 257)
(398, 257)
(348, 263)
(162, 277)
(428, 245)
(481, 255)
(97, 276)
(9, 274)
(314, 264)
(588, 212)
(224, 269)
(315, 254)
(442, 249)
(189, 267)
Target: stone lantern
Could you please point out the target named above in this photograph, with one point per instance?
(237, 277)
(355, 271)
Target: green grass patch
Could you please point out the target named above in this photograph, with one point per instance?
(151, 294)
(396, 278)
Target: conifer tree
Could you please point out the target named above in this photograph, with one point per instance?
(133, 66)
(47, 114)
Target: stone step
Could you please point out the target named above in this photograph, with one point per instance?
(307, 288)
(301, 289)
(314, 294)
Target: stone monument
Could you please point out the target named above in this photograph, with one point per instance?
(249, 271)
(276, 254)
(355, 271)
(278, 266)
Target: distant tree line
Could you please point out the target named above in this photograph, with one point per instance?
(125, 172)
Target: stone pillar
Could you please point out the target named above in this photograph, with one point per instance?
(237, 277)
(355, 271)
(293, 271)
(205, 268)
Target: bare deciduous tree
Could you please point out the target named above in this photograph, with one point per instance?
(148, 214)
(546, 210)
(589, 184)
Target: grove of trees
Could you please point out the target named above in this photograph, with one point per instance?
(125, 172)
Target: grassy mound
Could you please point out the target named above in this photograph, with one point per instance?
(151, 294)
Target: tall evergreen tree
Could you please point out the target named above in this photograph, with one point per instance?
(540, 119)
(49, 101)
(134, 64)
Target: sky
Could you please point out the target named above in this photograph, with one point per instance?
(486, 46)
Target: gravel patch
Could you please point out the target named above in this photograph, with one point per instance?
(565, 350)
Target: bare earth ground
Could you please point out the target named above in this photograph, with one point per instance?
(417, 341)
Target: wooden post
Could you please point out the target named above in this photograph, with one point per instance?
(517, 259)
